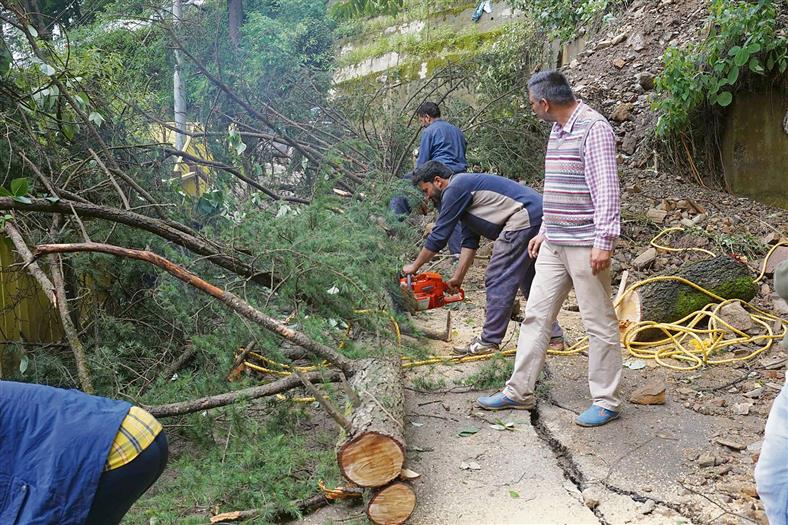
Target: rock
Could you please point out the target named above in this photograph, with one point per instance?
(706, 460)
(742, 409)
(629, 144)
(719, 402)
(590, 498)
(618, 39)
(754, 393)
(779, 305)
(637, 42)
(648, 507)
(685, 391)
(619, 62)
(622, 112)
(603, 44)
(779, 255)
(656, 215)
(735, 315)
(735, 445)
(771, 238)
(652, 393)
(645, 80)
(645, 259)
(755, 447)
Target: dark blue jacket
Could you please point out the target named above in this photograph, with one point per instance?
(487, 205)
(54, 444)
(443, 142)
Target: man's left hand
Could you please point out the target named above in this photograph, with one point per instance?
(600, 259)
(409, 269)
(453, 284)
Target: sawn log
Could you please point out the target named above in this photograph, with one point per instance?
(669, 301)
(372, 453)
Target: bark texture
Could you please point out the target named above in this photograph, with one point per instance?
(373, 452)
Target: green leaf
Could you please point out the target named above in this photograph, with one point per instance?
(755, 65)
(96, 118)
(46, 69)
(467, 431)
(734, 50)
(20, 186)
(22, 199)
(741, 57)
(754, 48)
(514, 494)
(497, 427)
(70, 130)
(4, 192)
(733, 75)
(52, 199)
(33, 31)
(23, 364)
(725, 98)
(5, 60)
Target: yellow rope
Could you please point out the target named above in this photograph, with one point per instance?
(763, 270)
(668, 249)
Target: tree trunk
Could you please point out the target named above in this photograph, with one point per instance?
(668, 301)
(178, 88)
(373, 452)
(392, 504)
(235, 13)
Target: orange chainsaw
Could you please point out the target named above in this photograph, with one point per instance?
(429, 290)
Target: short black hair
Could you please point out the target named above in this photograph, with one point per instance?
(551, 86)
(429, 109)
(429, 170)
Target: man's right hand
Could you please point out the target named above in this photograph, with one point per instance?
(533, 246)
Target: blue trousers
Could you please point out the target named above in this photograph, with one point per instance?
(771, 473)
(400, 206)
(119, 488)
(510, 269)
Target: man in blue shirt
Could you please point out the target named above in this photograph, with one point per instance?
(496, 208)
(440, 140)
(443, 142)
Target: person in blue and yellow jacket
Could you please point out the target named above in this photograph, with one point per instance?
(69, 458)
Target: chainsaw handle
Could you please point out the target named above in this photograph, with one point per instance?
(454, 298)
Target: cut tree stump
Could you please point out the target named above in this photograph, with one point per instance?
(372, 453)
(392, 505)
(669, 301)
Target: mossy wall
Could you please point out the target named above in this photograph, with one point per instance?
(755, 144)
(414, 45)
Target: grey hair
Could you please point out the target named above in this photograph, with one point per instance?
(551, 86)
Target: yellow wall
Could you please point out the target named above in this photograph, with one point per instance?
(25, 313)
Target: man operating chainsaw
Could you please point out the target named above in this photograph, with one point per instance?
(499, 209)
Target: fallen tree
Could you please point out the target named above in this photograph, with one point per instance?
(371, 451)
(667, 299)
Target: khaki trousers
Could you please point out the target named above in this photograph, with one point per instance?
(558, 268)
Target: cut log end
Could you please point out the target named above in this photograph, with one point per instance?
(371, 459)
(392, 505)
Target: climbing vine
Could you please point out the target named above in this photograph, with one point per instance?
(562, 18)
(743, 39)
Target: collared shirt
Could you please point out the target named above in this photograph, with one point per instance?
(443, 142)
(137, 431)
(600, 176)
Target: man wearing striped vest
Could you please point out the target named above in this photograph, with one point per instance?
(580, 225)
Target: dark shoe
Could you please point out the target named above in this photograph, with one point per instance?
(475, 347)
(499, 401)
(596, 416)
